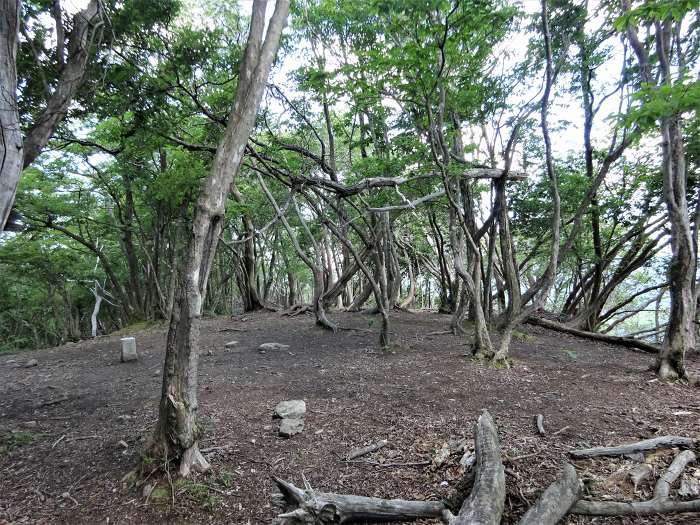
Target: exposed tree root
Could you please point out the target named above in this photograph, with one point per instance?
(193, 461)
(628, 342)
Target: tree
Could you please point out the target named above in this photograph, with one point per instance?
(665, 94)
(39, 85)
(176, 435)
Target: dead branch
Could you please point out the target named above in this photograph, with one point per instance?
(661, 503)
(555, 501)
(628, 342)
(632, 448)
(320, 508)
(663, 485)
(378, 464)
(359, 452)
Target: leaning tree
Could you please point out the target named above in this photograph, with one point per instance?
(176, 435)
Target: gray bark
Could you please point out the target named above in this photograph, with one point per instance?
(176, 435)
(484, 506)
(11, 143)
(321, 508)
(17, 153)
(555, 501)
(659, 504)
(631, 448)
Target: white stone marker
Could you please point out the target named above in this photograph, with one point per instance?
(129, 349)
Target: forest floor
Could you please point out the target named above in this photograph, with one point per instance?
(72, 426)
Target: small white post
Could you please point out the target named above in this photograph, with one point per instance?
(129, 349)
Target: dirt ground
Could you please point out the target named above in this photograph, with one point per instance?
(72, 426)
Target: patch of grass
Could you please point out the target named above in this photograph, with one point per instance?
(198, 492)
(17, 439)
(523, 337)
(503, 364)
(136, 327)
(224, 478)
(572, 354)
(160, 495)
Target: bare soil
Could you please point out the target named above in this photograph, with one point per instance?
(73, 426)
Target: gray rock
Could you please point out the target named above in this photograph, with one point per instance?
(291, 426)
(690, 488)
(129, 349)
(293, 409)
(31, 363)
(231, 344)
(272, 347)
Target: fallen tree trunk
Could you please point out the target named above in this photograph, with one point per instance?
(628, 342)
(320, 508)
(484, 506)
(486, 487)
(633, 448)
(555, 501)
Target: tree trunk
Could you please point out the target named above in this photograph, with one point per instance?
(176, 435)
(11, 144)
(16, 152)
(680, 331)
(249, 290)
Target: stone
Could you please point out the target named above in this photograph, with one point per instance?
(31, 363)
(293, 409)
(690, 488)
(231, 344)
(291, 427)
(129, 349)
(265, 347)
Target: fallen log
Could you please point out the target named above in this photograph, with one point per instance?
(662, 489)
(632, 448)
(661, 503)
(484, 506)
(635, 508)
(555, 501)
(485, 486)
(322, 508)
(629, 342)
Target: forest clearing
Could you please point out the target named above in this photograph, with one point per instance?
(331, 262)
(421, 396)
